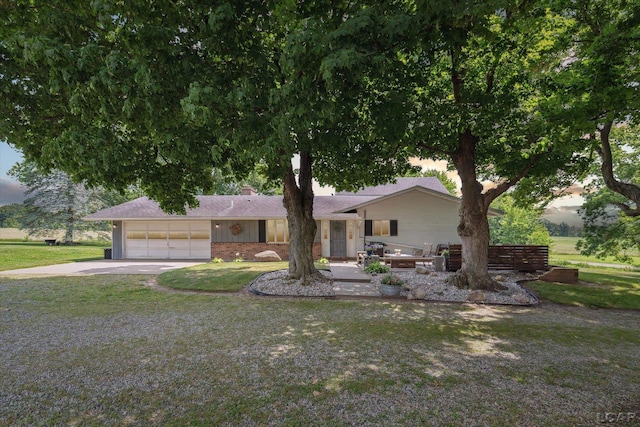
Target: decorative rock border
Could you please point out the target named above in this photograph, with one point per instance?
(418, 286)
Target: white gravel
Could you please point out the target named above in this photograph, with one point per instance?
(431, 287)
(278, 283)
(434, 287)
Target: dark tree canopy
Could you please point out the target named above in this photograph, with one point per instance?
(602, 96)
(482, 99)
(160, 94)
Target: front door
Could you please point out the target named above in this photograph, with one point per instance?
(338, 244)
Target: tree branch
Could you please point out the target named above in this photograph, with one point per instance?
(630, 191)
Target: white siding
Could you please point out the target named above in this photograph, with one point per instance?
(422, 218)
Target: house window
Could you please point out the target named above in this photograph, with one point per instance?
(381, 227)
(277, 231)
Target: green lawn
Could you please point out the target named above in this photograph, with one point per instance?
(220, 277)
(563, 250)
(600, 287)
(109, 350)
(15, 255)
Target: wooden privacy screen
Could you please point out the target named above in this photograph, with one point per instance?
(507, 257)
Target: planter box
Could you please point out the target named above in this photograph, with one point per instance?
(389, 290)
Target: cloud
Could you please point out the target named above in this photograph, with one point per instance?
(11, 192)
(559, 214)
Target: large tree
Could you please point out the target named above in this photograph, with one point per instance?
(602, 94)
(483, 102)
(116, 93)
(55, 202)
(611, 219)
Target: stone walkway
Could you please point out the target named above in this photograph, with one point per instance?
(350, 280)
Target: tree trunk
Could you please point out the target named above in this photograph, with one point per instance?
(473, 228)
(70, 222)
(298, 201)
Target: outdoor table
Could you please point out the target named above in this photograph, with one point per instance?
(405, 261)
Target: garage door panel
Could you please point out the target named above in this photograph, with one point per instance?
(168, 239)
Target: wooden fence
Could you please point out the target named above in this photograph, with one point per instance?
(507, 257)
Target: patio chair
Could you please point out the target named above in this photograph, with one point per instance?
(427, 250)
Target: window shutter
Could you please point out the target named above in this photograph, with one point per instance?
(393, 227)
(368, 227)
(262, 231)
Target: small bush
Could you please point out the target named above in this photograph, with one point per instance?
(392, 280)
(239, 259)
(323, 260)
(217, 260)
(376, 268)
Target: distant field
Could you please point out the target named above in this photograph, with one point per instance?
(564, 249)
(17, 234)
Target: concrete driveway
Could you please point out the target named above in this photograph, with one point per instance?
(104, 267)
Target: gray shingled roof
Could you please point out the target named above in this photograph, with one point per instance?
(218, 207)
(429, 182)
(260, 207)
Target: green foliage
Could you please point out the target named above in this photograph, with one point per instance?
(518, 225)
(448, 183)
(10, 215)
(392, 280)
(323, 261)
(609, 231)
(376, 268)
(563, 229)
(226, 182)
(54, 201)
(602, 96)
(217, 260)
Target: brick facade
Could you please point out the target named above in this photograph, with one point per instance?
(228, 250)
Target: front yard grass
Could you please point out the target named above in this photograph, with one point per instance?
(599, 287)
(220, 277)
(109, 350)
(14, 255)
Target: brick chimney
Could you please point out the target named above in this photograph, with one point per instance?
(248, 190)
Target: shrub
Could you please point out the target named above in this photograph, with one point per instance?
(376, 268)
(392, 280)
(323, 260)
(217, 260)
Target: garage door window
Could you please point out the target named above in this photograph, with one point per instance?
(178, 235)
(157, 235)
(199, 235)
(137, 235)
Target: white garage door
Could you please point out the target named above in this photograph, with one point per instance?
(167, 240)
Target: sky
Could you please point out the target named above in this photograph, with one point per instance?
(561, 210)
(10, 190)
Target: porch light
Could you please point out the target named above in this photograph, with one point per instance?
(217, 225)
